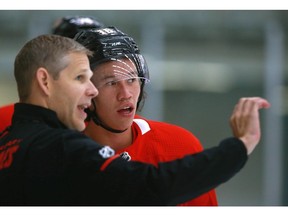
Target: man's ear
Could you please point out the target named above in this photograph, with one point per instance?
(43, 77)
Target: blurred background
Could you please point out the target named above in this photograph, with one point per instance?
(201, 62)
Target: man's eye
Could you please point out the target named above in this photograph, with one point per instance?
(131, 80)
(111, 83)
(80, 77)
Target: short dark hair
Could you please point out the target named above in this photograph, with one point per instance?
(47, 51)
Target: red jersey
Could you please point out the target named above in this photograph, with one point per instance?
(6, 113)
(155, 142)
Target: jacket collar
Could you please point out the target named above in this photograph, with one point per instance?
(24, 112)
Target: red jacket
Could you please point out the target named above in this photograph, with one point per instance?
(6, 113)
(159, 142)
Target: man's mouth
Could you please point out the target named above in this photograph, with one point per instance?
(126, 110)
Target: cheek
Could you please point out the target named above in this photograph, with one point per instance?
(103, 102)
(137, 92)
(62, 93)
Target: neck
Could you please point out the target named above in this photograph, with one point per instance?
(117, 141)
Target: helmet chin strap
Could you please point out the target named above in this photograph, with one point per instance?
(93, 115)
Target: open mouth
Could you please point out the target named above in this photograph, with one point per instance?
(126, 110)
(82, 109)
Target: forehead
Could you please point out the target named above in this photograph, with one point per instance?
(78, 60)
(115, 67)
(73, 63)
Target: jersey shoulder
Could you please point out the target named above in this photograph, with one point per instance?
(6, 113)
(167, 134)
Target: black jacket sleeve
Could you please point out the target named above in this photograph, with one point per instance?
(135, 183)
(184, 179)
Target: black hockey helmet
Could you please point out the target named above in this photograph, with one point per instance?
(109, 43)
(69, 26)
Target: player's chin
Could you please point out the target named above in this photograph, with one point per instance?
(78, 124)
(81, 125)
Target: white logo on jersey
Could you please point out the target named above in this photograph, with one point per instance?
(106, 152)
(125, 156)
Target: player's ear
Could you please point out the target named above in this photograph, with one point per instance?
(43, 77)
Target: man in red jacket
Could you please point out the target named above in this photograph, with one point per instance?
(120, 74)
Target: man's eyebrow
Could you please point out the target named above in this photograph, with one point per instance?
(109, 76)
